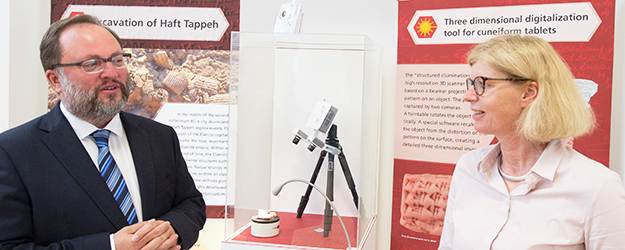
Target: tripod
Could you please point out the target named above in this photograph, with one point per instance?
(334, 148)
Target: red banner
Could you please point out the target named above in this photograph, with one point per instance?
(433, 124)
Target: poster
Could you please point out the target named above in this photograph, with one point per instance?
(434, 125)
(180, 69)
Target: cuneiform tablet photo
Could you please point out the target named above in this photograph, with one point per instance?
(424, 201)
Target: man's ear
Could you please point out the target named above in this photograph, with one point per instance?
(54, 80)
(530, 94)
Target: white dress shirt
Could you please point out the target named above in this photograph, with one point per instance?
(120, 150)
(118, 146)
(567, 201)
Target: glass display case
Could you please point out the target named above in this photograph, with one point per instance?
(290, 87)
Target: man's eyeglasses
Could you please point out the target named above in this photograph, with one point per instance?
(96, 65)
(479, 83)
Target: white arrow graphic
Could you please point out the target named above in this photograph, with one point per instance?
(565, 22)
(159, 23)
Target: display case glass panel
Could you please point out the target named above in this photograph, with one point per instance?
(278, 84)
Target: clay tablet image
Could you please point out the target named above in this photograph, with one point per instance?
(424, 201)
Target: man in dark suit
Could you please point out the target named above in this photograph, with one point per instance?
(54, 190)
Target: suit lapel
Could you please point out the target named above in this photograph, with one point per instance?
(142, 158)
(69, 151)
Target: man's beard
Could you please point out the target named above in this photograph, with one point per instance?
(84, 103)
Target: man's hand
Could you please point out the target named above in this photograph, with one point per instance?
(156, 234)
(147, 235)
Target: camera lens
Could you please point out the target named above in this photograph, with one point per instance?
(311, 147)
(296, 140)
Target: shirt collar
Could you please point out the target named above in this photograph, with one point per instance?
(490, 161)
(549, 160)
(545, 166)
(83, 128)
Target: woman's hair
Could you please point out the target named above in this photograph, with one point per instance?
(559, 111)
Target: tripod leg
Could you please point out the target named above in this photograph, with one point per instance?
(348, 177)
(304, 200)
(328, 213)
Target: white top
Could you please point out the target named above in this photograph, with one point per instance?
(118, 145)
(567, 201)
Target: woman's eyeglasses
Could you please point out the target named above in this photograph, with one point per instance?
(479, 83)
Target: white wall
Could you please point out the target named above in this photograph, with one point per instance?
(4, 65)
(27, 88)
(374, 18)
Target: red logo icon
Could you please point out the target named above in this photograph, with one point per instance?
(425, 27)
(76, 13)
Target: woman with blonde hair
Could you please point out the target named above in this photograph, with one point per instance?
(530, 190)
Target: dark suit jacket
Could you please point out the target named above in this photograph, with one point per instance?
(53, 197)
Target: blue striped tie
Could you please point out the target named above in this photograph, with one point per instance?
(114, 179)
